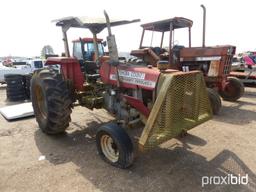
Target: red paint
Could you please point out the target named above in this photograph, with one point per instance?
(248, 60)
(137, 104)
(151, 74)
(70, 68)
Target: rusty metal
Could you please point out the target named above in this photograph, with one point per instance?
(214, 62)
(164, 25)
(141, 40)
(219, 56)
(96, 48)
(147, 54)
(214, 69)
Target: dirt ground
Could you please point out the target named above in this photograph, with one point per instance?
(225, 145)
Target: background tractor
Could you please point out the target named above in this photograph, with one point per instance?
(166, 102)
(215, 62)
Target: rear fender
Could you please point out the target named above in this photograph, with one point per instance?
(70, 68)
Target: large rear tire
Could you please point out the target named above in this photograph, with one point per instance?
(233, 90)
(114, 145)
(51, 101)
(215, 101)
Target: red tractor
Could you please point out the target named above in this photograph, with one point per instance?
(165, 102)
(214, 62)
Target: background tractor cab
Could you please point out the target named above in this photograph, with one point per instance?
(215, 61)
(164, 28)
(85, 50)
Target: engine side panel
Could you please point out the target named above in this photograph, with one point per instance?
(130, 76)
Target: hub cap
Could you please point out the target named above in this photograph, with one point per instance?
(109, 148)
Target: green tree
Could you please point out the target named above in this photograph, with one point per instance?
(47, 50)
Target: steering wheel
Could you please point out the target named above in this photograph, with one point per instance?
(157, 50)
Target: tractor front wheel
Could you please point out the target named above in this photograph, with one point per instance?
(215, 101)
(114, 145)
(233, 90)
(51, 101)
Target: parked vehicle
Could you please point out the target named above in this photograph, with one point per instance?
(13, 70)
(245, 68)
(28, 67)
(35, 64)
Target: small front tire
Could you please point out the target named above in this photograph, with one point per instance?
(215, 101)
(115, 146)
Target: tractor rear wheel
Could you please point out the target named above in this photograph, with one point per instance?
(51, 101)
(215, 101)
(233, 90)
(114, 145)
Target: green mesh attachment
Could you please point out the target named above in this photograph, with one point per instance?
(182, 103)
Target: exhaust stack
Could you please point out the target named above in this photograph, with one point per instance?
(204, 18)
(112, 47)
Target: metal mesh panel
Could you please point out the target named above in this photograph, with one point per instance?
(182, 104)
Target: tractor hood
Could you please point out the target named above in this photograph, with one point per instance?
(131, 76)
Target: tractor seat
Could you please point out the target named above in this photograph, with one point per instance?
(90, 67)
(147, 55)
(176, 51)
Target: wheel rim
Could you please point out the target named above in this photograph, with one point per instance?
(41, 103)
(109, 148)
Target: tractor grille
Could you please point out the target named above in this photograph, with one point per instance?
(227, 64)
(182, 104)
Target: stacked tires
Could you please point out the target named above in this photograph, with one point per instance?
(26, 81)
(15, 87)
(18, 87)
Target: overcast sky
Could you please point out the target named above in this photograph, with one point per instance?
(26, 24)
